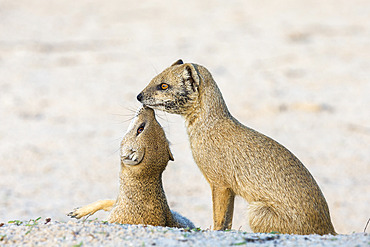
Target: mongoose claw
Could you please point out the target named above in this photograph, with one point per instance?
(72, 214)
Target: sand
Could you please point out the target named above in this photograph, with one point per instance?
(95, 233)
(297, 71)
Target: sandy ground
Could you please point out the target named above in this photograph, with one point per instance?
(96, 233)
(297, 71)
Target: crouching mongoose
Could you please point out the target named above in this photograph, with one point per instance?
(145, 153)
(237, 160)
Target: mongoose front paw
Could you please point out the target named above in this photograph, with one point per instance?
(131, 156)
(78, 213)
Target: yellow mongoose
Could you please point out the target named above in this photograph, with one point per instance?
(145, 153)
(236, 160)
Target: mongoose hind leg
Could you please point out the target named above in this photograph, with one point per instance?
(267, 218)
(92, 208)
(223, 207)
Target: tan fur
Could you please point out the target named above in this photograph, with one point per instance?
(236, 160)
(141, 199)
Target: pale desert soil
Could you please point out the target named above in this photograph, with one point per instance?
(70, 71)
(102, 234)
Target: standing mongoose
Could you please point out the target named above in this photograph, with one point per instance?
(145, 153)
(237, 160)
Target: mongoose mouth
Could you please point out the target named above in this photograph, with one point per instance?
(168, 106)
(160, 106)
(154, 105)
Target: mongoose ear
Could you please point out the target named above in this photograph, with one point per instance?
(191, 73)
(178, 62)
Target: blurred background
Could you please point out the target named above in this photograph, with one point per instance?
(297, 71)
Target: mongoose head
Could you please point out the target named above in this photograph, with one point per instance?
(144, 145)
(174, 90)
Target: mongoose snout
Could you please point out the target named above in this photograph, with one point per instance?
(139, 97)
(237, 160)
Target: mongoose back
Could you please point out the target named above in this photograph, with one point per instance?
(237, 160)
(144, 155)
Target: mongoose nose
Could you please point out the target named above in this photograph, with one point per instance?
(139, 97)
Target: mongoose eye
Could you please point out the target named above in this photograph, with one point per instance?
(140, 129)
(164, 86)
